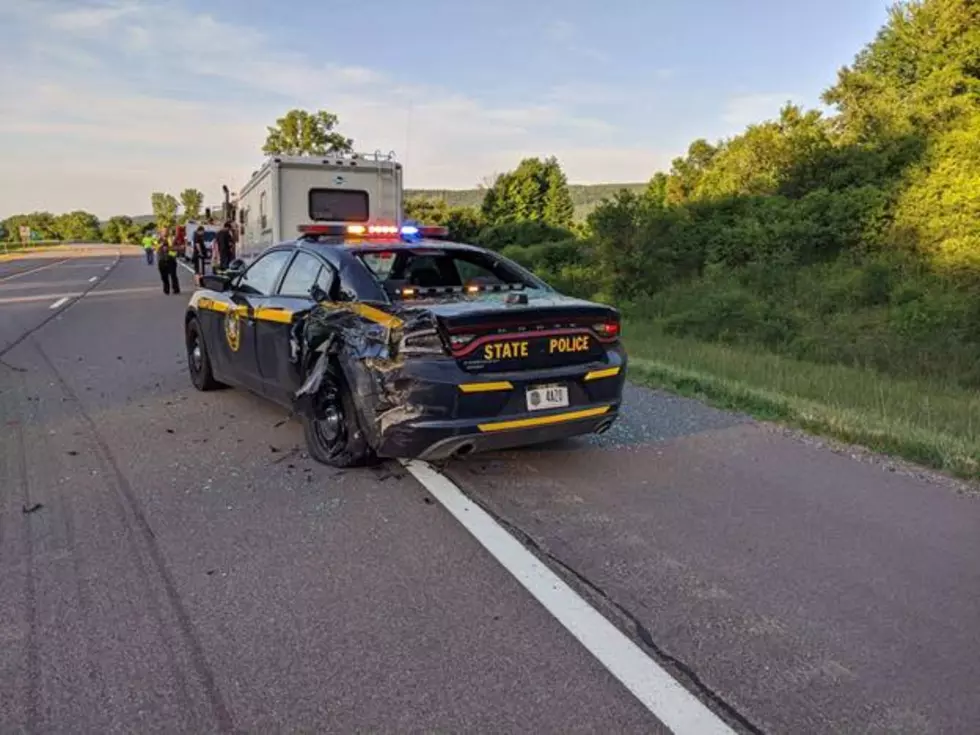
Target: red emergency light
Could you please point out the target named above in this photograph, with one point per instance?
(375, 232)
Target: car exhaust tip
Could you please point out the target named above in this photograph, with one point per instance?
(603, 427)
(463, 451)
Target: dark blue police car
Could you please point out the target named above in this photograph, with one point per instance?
(392, 342)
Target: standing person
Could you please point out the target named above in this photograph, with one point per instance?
(148, 248)
(200, 251)
(224, 244)
(167, 263)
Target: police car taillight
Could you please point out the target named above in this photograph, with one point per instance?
(607, 330)
(422, 342)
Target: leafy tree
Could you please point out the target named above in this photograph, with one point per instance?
(535, 191)
(164, 209)
(306, 133)
(464, 223)
(42, 224)
(77, 226)
(191, 200)
(120, 229)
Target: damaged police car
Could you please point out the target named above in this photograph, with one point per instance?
(393, 342)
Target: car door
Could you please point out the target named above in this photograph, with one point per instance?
(236, 343)
(281, 374)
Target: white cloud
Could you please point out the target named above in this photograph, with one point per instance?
(91, 18)
(101, 132)
(746, 109)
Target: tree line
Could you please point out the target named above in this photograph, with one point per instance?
(851, 238)
(81, 226)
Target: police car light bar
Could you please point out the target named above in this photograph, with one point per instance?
(375, 231)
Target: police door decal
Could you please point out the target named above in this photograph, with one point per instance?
(233, 329)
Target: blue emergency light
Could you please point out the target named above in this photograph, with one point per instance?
(407, 232)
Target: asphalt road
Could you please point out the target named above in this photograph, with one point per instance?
(184, 567)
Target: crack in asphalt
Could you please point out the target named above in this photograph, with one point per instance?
(642, 633)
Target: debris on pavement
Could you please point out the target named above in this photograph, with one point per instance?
(32, 508)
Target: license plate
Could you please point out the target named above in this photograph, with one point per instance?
(547, 396)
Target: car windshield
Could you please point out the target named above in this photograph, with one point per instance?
(441, 268)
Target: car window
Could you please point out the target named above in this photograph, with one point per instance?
(441, 268)
(325, 279)
(474, 273)
(302, 274)
(260, 278)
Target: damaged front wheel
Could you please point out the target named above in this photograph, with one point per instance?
(333, 435)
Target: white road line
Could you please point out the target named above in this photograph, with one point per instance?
(93, 279)
(60, 302)
(184, 265)
(656, 689)
(32, 270)
(108, 267)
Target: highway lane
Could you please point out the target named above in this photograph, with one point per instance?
(189, 569)
(34, 290)
(194, 565)
(810, 590)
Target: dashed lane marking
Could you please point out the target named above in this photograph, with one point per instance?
(76, 294)
(653, 686)
(60, 302)
(93, 279)
(32, 270)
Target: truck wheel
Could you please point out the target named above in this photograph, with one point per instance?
(336, 438)
(198, 361)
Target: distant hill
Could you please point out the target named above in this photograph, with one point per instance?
(585, 197)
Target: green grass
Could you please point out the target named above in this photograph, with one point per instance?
(934, 425)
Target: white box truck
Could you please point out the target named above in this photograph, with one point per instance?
(290, 191)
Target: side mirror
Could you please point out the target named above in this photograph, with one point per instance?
(215, 282)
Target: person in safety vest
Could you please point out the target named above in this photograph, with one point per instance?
(167, 263)
(148, 248)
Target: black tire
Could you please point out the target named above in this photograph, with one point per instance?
(198, 360)
(337, 439)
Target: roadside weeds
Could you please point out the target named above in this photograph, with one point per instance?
(927, 424)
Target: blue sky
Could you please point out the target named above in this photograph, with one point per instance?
(104, 101)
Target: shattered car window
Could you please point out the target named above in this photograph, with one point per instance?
(380, 264)
(302, 274)
(440, 268)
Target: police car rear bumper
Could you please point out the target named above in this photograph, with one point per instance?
(435, 440)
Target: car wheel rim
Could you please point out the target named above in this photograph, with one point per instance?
(197, 355)
(330, 428)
